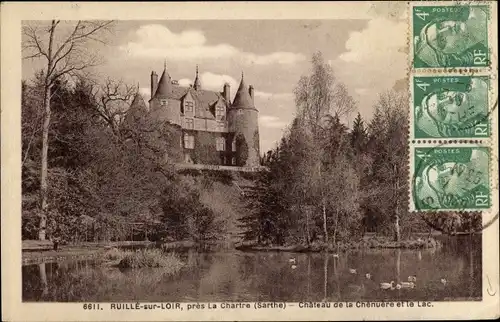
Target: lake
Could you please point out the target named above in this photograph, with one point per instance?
(269, 276)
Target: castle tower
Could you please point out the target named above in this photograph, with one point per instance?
(164, 88)
(162, 106)
(243, 122)
(197, 83)
(137, 110)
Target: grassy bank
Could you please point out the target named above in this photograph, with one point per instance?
(92, 251)
(143, 258)
(371, 243)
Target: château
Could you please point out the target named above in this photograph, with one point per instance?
(211, 130)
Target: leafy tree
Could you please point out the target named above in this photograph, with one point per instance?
(358, 135)
(241, 150)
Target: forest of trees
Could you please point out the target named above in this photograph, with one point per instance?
(329, 183)
(88, 174)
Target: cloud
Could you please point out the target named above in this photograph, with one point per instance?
(145, 92)
(279, 96)
(213, 82)
(271, 122)
(376, 52)
(361, 91)
(381, 40)
(157, 41)
(216, 82)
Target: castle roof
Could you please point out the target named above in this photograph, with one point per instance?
(137, 109)
(204, 100)
(242, 98)
(164, 85)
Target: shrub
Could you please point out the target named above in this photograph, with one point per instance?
(151, 258)
(113, 254)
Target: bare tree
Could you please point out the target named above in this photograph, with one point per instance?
(64, 54)
(113, 100)
(318, 96)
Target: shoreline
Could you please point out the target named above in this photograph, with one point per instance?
(95, 250)
(87, 251)
(371, 243)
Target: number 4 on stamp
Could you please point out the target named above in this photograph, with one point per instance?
(450, 36)
(451, 178)
(450, 107)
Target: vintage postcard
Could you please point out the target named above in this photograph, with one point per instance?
(242, 161)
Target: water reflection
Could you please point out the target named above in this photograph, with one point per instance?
(269, 277)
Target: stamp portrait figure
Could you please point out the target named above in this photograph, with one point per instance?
(447, 110)
(450, 37)
(452, 178)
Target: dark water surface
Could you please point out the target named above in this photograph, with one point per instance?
(269, 276)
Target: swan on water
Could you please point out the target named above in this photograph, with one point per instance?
(294, 266)
(407, 284)
(368, 275)
(444, 281)
(385, 285)
(292, 260)
(352, 270)
(412, 278)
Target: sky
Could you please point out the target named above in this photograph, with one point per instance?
(366, 52)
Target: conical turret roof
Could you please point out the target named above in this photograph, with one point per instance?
(138, 103)
(242, 98)
(137, 109)
(164, 85)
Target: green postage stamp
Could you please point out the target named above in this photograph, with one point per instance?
(451, 107)
(450, 36)
(451, 178)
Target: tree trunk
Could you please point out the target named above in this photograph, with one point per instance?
(307, 227)
(336, 227)
(45, 137)
(308, 275)
(44, 168)
(397, 234)
(325, 230)
(398, 265)
(325, 277)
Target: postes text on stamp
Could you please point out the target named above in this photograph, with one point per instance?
(451, 178)
(450, 36)
(450, 107)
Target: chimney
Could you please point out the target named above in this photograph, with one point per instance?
(250, 91)
(154, 83)
(227, 92)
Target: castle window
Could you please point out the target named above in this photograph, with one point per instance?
(220, 144)
(219, 112)
(233, 161)
(189, 106)
(189, 123)
(163, 102)
(188, 141)
(233, 146)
